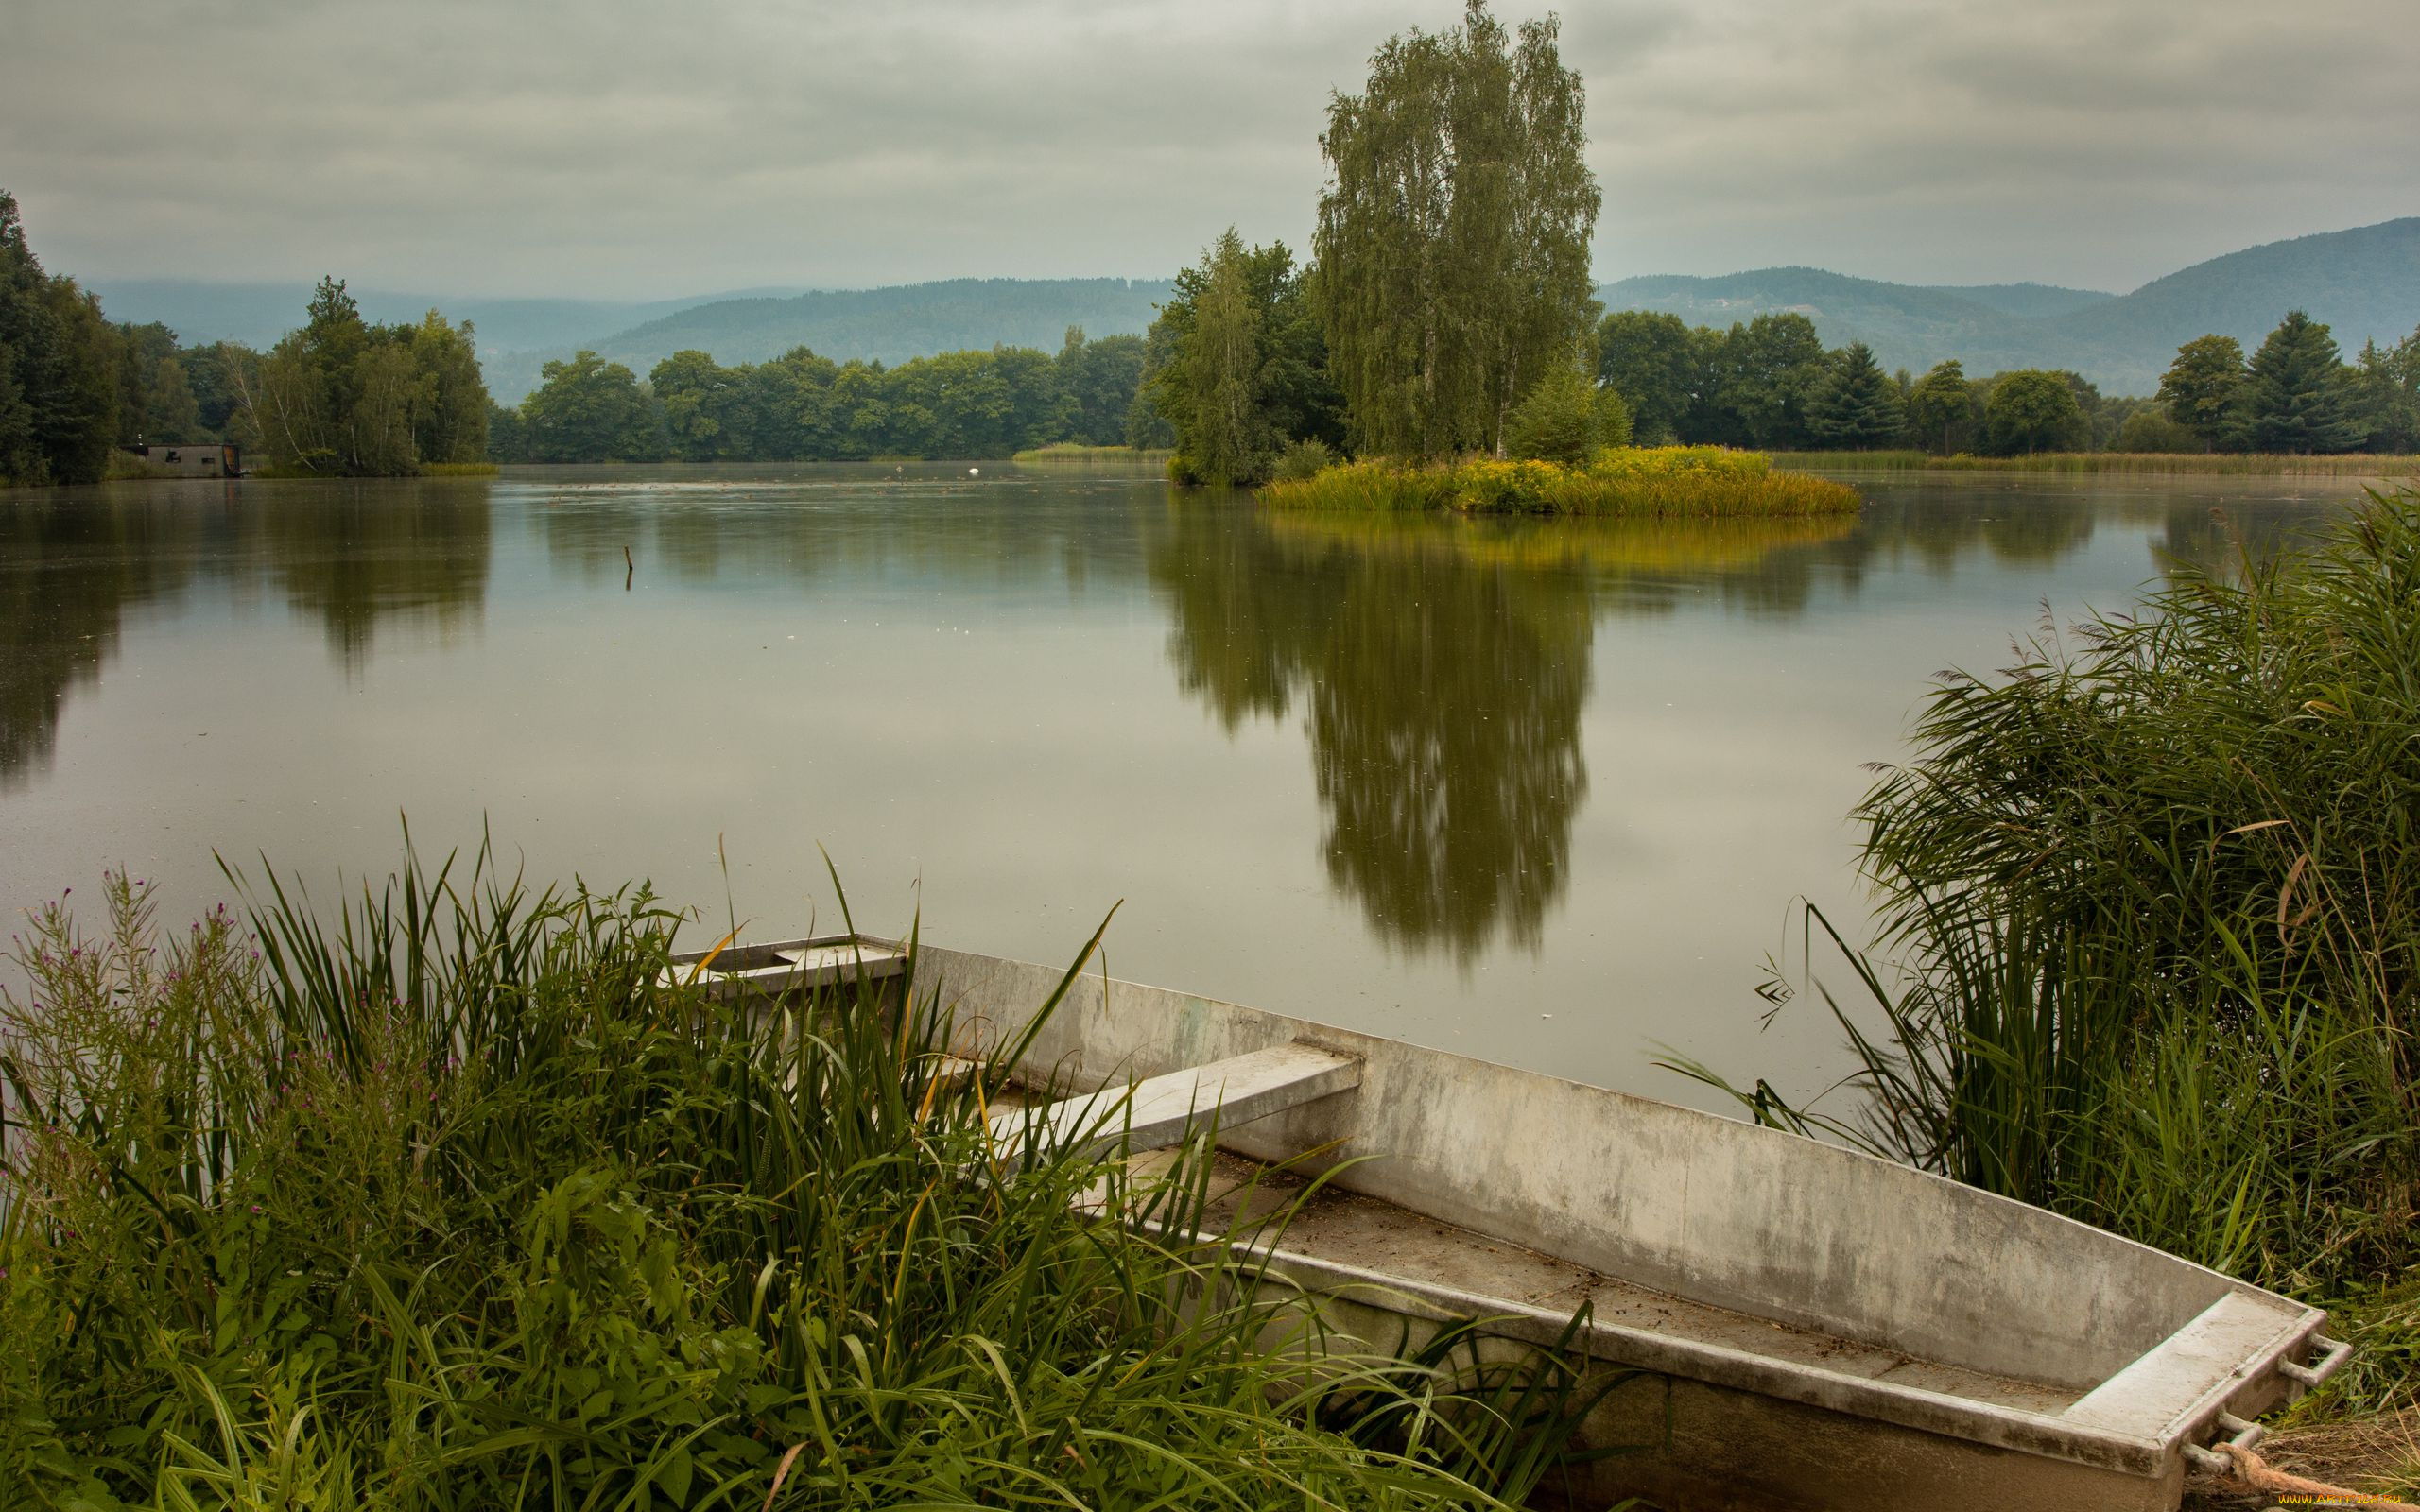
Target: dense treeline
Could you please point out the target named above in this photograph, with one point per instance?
(343, 397)
(338, 396)
(2296, 394)
(73, 387)
(805, 407)
(1770, 383)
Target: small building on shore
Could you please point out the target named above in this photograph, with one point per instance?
(194, 459)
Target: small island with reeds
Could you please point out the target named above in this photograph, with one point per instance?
(1618, 481)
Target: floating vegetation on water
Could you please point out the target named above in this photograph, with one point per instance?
(462, 1202)
(1642, 481)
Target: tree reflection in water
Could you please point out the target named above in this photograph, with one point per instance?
(69, 569)
(1443, 666)
(355, 556)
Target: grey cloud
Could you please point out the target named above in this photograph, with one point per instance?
(618, 148)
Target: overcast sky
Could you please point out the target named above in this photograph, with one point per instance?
(646, 148)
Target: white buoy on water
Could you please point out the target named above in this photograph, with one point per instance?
(974, 472)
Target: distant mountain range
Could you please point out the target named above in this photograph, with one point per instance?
(2365, 282)
(517, 338)
(887, 325)
(258, 313)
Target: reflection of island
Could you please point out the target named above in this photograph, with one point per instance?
(1443, 666)
(357, 555)
(68, 570)
(1444, 724)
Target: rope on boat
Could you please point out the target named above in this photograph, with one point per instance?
(2248, 1470)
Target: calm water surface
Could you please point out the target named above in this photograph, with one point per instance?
(1541, 793)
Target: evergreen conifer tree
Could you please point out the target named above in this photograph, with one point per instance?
(2297, 394)
(1235, 366)
(59, 369)
(1613, 427)
(2386, 394)
(1854, 407)
(1557, 421)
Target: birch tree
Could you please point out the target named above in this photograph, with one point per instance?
(1452, 248)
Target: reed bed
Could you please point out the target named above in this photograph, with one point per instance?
(2239, 464)
(1893, 461)
(454, 1202)
(459, 470)
(1079, 452)
(2151, 945)
(1638, 482)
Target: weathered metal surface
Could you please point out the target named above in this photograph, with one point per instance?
(1828, 1330)
(1157, 1111)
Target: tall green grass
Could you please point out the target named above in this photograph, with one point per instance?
(453, 1201)
(2152, 909)
(1640, 482)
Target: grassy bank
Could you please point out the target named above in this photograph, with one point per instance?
(2351, 465)
(1622, 481)
(1078, 451)
(454, 1202)
(2154, 901)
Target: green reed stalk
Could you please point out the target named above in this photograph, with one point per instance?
(2154, 898)
(453, 1199)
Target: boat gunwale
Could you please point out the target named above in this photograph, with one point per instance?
(2148, 1451)
(1996, 1424)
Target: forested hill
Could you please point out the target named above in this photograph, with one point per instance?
(1906, 326)
(2026, 299)
(2364, 282)
(257, 314)
(889, 325)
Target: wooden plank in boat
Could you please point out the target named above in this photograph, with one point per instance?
(1158, 1110)
(773, 969)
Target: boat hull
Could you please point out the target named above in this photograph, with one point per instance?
(1811, 1327)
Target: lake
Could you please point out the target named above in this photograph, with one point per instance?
(1539, 792)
